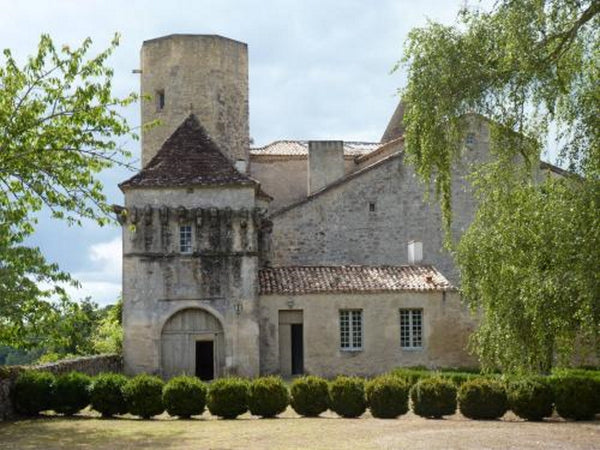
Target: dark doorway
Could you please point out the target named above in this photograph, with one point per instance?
(297, 349)
(205, 366)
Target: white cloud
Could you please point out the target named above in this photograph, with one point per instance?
(102, 281)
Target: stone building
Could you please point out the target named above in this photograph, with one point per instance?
(297, 257)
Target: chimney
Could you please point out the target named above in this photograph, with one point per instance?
(415, 252)
(325, 164)
(241, 165)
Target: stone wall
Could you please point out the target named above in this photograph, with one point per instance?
(286, 177)
(370, 216)
(446, 327)
(91, 365)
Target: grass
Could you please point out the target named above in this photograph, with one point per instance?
(289, 431)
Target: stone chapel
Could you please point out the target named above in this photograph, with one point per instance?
(316, 257)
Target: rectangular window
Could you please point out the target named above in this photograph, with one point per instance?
(351, 329)
(411, 328)
(185, 239)
(470, 139)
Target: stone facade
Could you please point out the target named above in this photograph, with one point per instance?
(218, 276)
(446, 329)
(200, 235)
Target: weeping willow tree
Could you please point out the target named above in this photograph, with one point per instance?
(530, 261)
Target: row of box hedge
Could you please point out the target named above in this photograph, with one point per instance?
(573, 396)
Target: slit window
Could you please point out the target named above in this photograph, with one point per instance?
(371, 206)
(160, 100)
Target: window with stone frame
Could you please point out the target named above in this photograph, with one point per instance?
(351, 329)
(185, 239)
(411, 328)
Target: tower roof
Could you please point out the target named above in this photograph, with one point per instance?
(188, 157)
(395, 127)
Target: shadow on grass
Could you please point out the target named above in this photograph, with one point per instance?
(73, 432)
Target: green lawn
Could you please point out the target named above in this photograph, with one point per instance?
(289, 431)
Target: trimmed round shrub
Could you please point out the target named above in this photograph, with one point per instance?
(347, 396)
(32, 392)
(309, 396)
(576, 397)
(482, 399)
(228, 397)
(106, 394)
(531, 398)
(71, 393)
(184, 396)
(387, 397)
(433, 398)
(143, 396)
(268, 396)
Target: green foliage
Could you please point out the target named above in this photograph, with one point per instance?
(347, 396)
(268, 396)
(108, 334)
(387, 396)
(528, 262)
(309, 395)
(143, 396)
(228, 397)
(531, 398)
(106, 394)
(184, 396)
(576, 397)
(59, 127)
(433, 398)
(458, 378)
(482, 399)
(411, 375)
(32, 392)
(71, 393)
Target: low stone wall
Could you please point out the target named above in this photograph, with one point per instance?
(90, 365)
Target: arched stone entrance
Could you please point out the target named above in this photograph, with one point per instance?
(192, 343)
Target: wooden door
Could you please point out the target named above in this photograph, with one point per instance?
(179, 342)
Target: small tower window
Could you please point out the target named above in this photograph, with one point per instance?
(160, 100)
(185, 239)
(371, 206)
(470, 140)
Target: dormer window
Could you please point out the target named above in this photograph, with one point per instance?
(185, 239)
(160, 99)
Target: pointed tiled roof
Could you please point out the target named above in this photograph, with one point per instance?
(188, 158)
(298, 280)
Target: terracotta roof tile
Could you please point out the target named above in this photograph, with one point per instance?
(300, 148)
(189, 157)
(297, 280)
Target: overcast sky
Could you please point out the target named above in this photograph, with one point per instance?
(319, 69)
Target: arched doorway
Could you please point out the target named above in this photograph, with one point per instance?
(192, 343)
